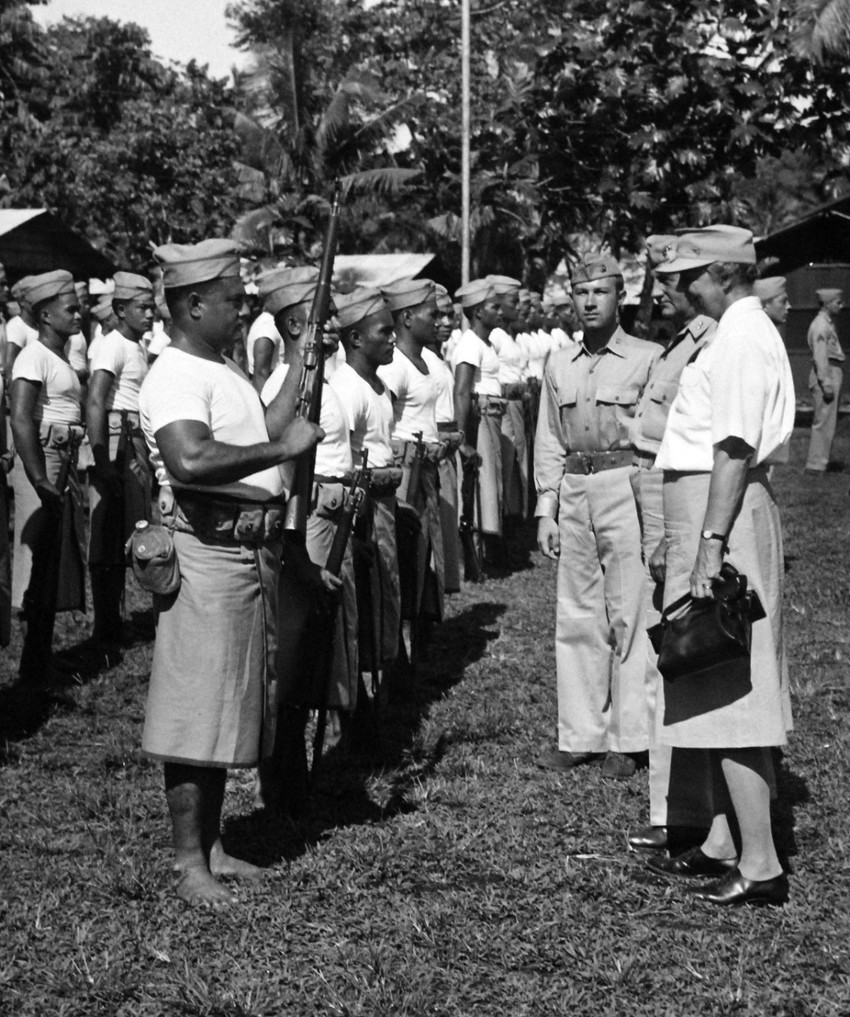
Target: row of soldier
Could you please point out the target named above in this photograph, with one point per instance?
(223, 459)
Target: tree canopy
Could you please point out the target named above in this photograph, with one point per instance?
(614, 117)
(127, 151)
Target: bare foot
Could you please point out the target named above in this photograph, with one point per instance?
(197, 885)
(225, 866)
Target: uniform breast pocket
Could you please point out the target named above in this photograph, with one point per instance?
(567, 397)
(664, 392)
(617, 395)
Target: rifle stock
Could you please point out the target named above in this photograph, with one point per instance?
(313, 378)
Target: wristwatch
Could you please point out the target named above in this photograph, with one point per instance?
(709, 535)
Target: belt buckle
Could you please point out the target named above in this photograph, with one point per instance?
(588, 464)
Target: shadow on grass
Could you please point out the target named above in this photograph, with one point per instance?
(22, 712)
(792, 791)
(355, 789)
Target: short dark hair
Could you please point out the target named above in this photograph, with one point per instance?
(733, 273)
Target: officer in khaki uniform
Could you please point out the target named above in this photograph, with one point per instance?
(825, 378)
(679, 810)
(587, 519)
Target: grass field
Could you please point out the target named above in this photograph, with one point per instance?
(451, 878)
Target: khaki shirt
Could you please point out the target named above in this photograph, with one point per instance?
(587, 403)
(824, 344)
(651, 418)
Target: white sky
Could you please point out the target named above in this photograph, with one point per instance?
(179, 29)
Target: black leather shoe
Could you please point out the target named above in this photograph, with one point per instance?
(667, 838)
(557, 759)
(734, 889)
(692, 863)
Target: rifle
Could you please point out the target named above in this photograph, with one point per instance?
(313, 377)
(353, 504)
(470, 500)
(46, 566)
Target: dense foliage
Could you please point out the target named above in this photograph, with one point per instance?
(616, 117)
(128, 151)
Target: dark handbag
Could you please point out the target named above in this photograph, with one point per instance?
(709, 631)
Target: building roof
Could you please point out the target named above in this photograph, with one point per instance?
(822, 236)
(32, 241)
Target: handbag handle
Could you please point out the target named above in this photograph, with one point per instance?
(684, 600)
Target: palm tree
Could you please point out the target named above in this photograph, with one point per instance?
(823, 28)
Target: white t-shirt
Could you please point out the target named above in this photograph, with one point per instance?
(263, 327)
(19, 333)
(414, 399)
(740, 386)
(333, 453)
(445, 382)
(76, 350)
(483, 357)
(512, 361)
(369, 414)
(125, 360)
(560, 339)
(60, 391)
(180, 386)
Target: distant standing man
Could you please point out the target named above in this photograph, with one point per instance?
(120, 491)
(217, 453)
(588, 521)
(46, 416)
(774, 299)
(413, 304)
(368, 333)
(825, 378)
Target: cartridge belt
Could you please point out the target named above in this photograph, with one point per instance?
(597, 462)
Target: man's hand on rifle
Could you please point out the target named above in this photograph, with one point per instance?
(51, 497)
(299, 436)
(468, 453)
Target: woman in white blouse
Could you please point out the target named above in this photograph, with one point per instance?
(731, 419)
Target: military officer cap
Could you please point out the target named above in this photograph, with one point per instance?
(49, 285)
(701, 248)
(770, 288)
(188, 264)
(504, 284)
(287, 287)
(827, 294)
(129, 285)
(660, 247)
(408, 293)
(352, 308)
(561, 299)
(591, 267)
(473, 293)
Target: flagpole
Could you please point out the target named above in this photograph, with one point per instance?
(465, 130)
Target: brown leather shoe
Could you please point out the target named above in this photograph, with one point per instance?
(557, 759)
(734, 889)
(692, 863)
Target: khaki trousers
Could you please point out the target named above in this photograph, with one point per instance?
(679, 779)
(824, 419)
(600, 636)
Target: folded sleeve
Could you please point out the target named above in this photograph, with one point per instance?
(470, 350)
